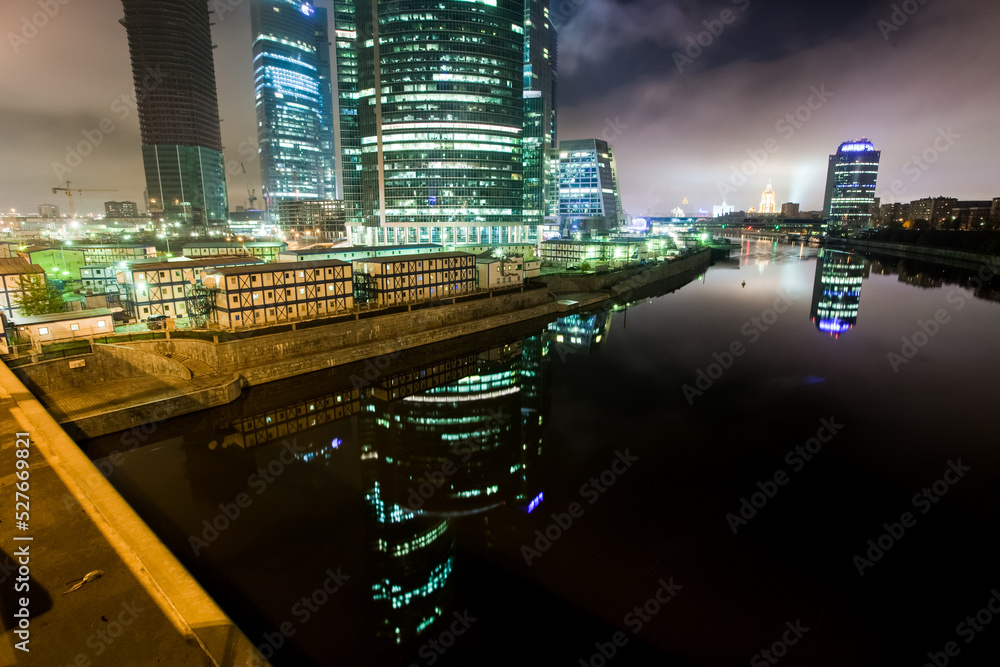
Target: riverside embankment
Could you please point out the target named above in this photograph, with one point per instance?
(139, 382)
(955, 258)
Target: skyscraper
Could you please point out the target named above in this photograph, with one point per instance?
(170, 42)
(850, 184)
(294, 100)
(348, 143)
(440, 111)
(540, 60)
(588, 186)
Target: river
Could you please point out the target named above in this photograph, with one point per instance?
(792, 458)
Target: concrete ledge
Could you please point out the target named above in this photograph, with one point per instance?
(169, 403)
(194, 615)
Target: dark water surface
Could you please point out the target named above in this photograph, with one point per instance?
(703, 470)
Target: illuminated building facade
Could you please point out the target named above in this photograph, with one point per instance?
(168, 288)
(837, 291)
(790, 210)
(440, 111)
(540, 62)
(390, 281)
(170, 43)
(588, 186)
(294, 100)
(273, 293)
(850, 184)
(348, 143)
(767, 203)
(318, 218)
(933, 211)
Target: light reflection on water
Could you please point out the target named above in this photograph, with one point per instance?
(424, 503)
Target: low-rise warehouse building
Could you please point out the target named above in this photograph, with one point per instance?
(391, 281)
(282, 292)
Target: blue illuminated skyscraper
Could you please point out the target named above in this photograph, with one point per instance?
(294, 99)
(850, 184)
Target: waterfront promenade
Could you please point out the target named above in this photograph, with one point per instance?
(145, 608)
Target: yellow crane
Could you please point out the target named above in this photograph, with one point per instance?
(69, 190)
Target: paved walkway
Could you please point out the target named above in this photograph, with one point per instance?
(146, 609)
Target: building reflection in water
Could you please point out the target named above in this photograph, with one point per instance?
(837, 291)
(579, 334)
(458, 439)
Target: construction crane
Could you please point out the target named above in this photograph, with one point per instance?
(69, 190)
(250, 193)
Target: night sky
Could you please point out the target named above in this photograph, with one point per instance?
(680, 124)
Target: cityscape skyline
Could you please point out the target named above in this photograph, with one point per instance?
(674, 133)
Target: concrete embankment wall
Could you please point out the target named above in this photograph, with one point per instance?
(157, 410)
(106, 363)
(271, 357)
(644, 274)
(189, 622)
(958, 258)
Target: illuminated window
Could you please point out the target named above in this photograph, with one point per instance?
(43, 330)
(101, 324)
(74, 327)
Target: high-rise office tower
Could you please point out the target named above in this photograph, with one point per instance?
(294, 99)
(170, 42)
(589, 200)
(540, 60)
(348, 143)
(850, 184)
(440, 110)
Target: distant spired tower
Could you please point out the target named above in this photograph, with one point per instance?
(767, 204)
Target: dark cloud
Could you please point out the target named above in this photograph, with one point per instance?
(677, 133)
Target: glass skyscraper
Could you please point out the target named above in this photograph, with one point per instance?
(540, 62)
(348, 143)
(588, 186)
(294, 99)
(440, 111)
(850, 184)
(170, 43)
